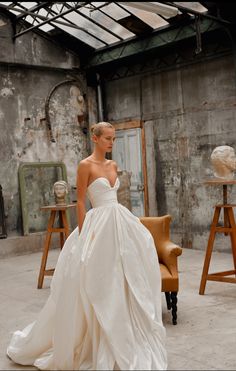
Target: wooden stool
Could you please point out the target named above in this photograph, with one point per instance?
(229, 227)
(64, 233)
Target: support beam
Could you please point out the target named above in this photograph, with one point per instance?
(49, 20)
(157, 39)
(33, 9)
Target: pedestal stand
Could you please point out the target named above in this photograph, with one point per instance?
(228, 228)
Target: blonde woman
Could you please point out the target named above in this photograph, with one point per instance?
(104, 309)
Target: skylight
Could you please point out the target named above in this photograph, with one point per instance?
(97, 24)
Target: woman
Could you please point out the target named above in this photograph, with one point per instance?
(104, 309)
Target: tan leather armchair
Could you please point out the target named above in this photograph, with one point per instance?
(167, 253)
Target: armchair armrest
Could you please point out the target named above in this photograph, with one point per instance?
(168, 253)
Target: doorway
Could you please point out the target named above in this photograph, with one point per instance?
(130, 155)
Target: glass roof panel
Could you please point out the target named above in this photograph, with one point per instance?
(79, 20)
(81, 35)
(43, 12)
(27, 4)
(151, 7)
(107, 22)
(152, 19)
(58, 7)
(46, 27)
(99, 21)
(30, 19)
(113, 10)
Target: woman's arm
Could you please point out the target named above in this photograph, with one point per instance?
(81, 184)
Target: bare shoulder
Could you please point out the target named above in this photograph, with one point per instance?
(84, 166)
(113, 164)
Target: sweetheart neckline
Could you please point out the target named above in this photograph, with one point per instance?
(103, 177)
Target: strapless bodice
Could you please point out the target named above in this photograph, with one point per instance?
(101, 193)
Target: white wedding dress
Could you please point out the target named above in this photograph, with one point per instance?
(104, 309)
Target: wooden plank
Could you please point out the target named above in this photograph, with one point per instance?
(57, 207)
(217, 181)
(127, 124)
(229, 206)
(56, 230)
(223, 230)
(222, 279)
(225, 273)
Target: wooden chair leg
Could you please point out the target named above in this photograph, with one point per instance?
(174, 300)
(168, 301)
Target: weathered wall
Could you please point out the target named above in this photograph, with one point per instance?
(192, 109)
(30, 67)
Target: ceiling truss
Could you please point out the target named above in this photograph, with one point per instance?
(112, 29)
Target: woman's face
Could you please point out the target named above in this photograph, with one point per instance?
(106, 140)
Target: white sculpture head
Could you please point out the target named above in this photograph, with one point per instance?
(223, 160)
(60, 190)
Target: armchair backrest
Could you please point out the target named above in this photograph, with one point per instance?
(159, 226)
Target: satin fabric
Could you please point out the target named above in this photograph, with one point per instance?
(104, 307)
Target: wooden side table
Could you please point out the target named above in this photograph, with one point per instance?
(229, 227)
(64, 233)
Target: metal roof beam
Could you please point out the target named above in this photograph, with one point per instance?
(49, 20)
(71, 25)
(68, 23)
(36, 7)
(97, 24)
(154, 41)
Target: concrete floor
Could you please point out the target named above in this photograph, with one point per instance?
(204, 338)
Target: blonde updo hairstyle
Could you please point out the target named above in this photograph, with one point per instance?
(97, 129)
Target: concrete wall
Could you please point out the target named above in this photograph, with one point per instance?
(30, 67)
(190, 110)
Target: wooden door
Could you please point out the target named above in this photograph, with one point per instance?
(127, 152)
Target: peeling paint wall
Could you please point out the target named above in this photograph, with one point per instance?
(191, 110)
(29, 69)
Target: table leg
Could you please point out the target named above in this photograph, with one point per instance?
(65, 223)
(45, 249)
(62, 240)
(225, 201)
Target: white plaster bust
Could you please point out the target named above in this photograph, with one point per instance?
(223, 160)
(60, 190)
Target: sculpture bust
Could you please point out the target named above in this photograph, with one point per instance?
(223, 160)
(60, 190)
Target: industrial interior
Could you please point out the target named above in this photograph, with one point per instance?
(164, 74)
